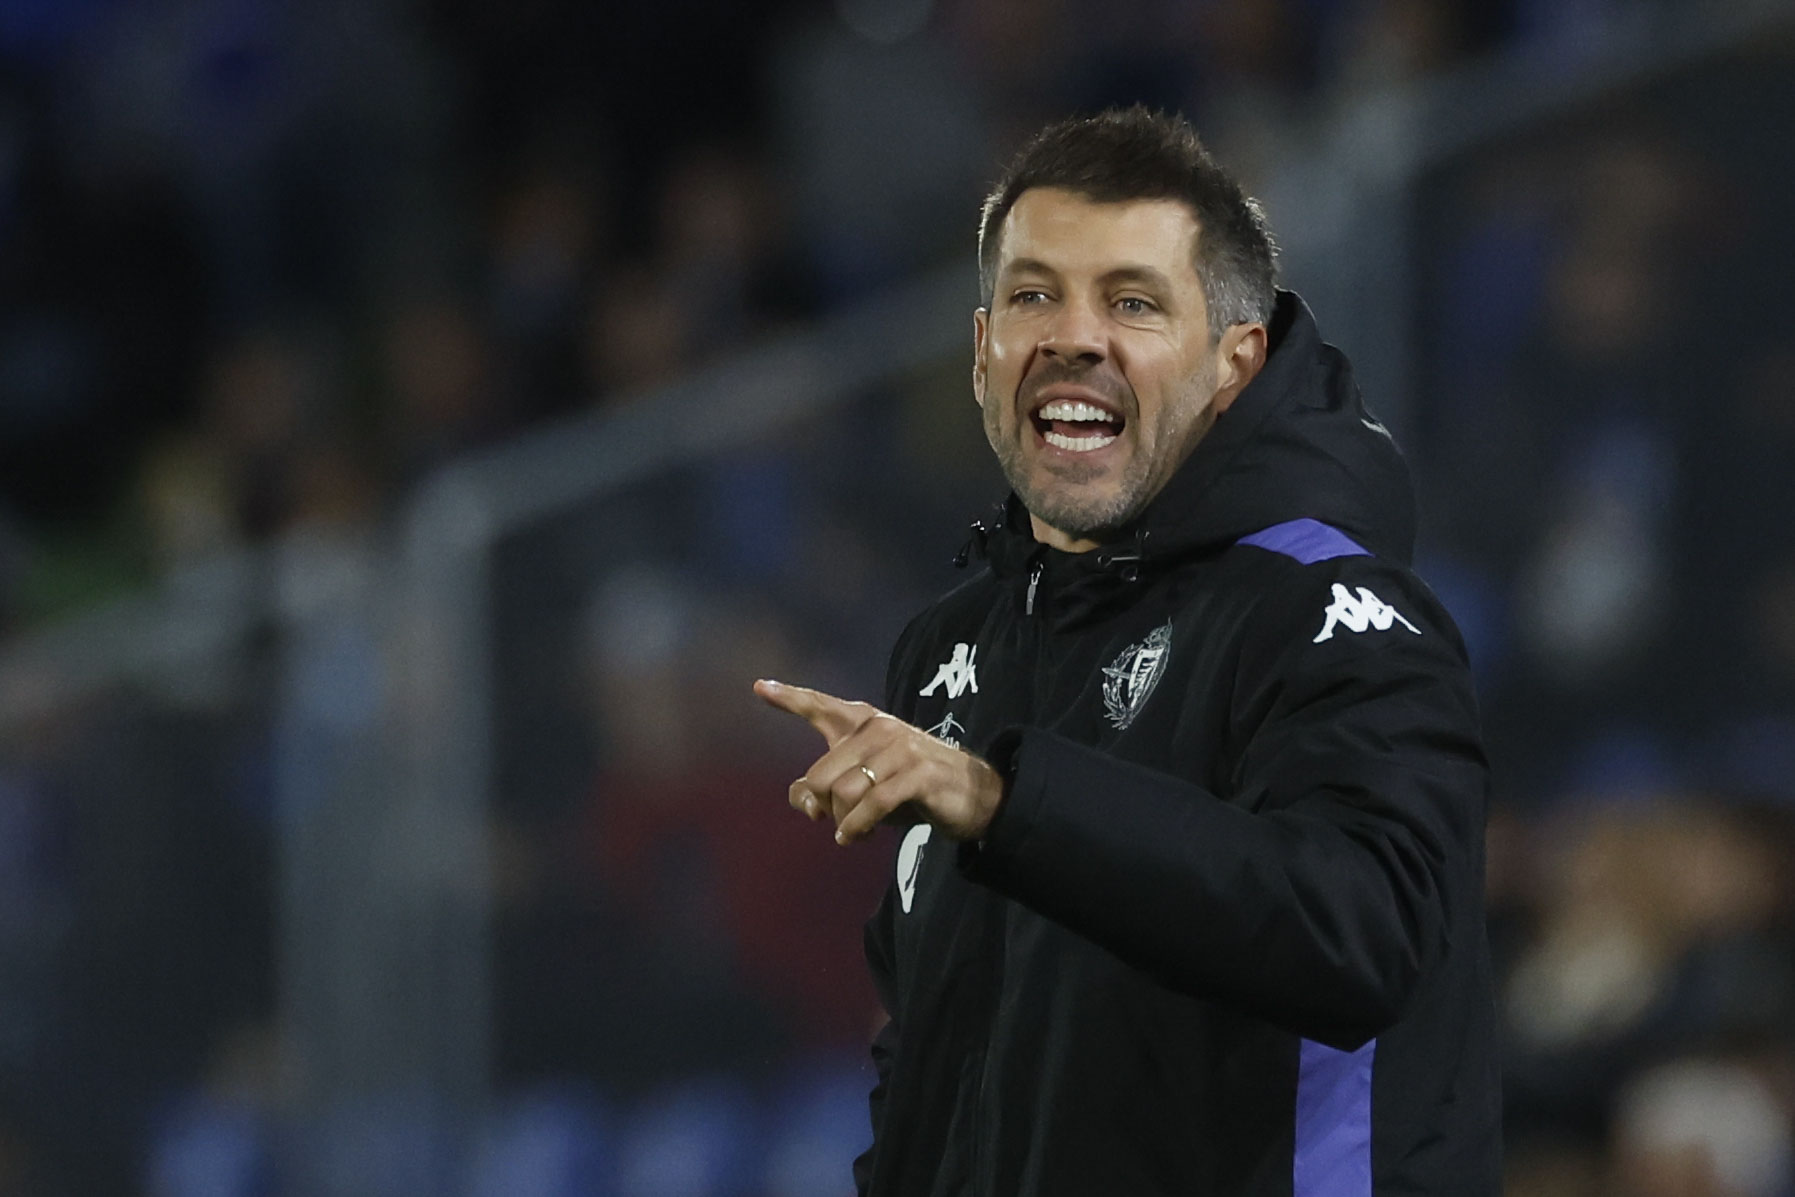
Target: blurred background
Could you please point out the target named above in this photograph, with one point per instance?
(421, 419)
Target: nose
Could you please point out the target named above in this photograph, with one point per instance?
(1075, 334)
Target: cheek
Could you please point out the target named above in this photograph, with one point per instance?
(1186, 393)
(999, 357)
(1003, 372)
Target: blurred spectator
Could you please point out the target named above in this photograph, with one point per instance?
(1391, 42)
(1739, 542)
(1703, 1128)
(266, 392)
(438, 392)
(1655, 925)
(685, 837)
(547, 237)
(637, 333)
(881, 144)
(1567, 403)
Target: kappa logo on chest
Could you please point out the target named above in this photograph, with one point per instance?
(958, 674)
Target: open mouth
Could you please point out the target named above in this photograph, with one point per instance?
(1077, 426)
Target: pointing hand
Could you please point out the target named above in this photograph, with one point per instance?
(876, 763)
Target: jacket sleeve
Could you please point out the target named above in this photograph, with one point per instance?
(1323, 887)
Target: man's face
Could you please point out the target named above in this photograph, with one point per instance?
(1094, 364)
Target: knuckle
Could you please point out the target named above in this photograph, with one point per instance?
(878, 728)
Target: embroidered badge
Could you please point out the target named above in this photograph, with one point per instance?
(1129, 681)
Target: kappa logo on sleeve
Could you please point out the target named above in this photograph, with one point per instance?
(959, 673)
(1359, 613)
(909, 863)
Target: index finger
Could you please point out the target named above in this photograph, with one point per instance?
(833, 717)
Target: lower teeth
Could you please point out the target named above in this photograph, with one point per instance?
(1078, 444)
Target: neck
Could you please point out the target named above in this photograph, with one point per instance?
(1053, 538)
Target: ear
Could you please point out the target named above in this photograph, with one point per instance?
(1239, 358)
(981, 331)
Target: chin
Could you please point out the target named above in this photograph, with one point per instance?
(1083, 517)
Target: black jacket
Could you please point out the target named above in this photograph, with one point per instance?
(1225, 935)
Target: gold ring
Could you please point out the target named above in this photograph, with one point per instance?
(870, 775)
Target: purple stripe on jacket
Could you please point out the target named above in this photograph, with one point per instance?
(1307, 540)
(1333, 1122)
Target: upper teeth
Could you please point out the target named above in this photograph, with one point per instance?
(1072, 409)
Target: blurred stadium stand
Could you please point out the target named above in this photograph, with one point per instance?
(420, 421)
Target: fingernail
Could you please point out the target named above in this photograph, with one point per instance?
(841, 839)
(810, 807)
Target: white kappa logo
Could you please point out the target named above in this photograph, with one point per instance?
(959, 674)
(909, 863)
(1358, 614)
(1131, 678)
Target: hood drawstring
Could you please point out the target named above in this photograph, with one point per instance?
(978, 536)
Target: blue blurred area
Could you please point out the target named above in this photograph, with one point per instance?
(267, 270)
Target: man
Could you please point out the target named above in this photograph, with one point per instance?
(1190, 897)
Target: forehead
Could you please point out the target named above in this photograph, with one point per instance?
(1073, 233)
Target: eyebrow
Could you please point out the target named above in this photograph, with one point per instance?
(1145, 275)
(1027, 266)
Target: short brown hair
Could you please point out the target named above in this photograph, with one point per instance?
(1135, 154)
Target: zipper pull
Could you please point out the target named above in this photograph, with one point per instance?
(1034, 580)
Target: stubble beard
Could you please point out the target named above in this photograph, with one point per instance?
(1060, 494)
(1057, 494)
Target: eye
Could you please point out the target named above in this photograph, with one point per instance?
(1028, 295)
(1135, 305)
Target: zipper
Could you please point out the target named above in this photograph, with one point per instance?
(981, 1183)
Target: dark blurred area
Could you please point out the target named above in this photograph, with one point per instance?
(282, 285)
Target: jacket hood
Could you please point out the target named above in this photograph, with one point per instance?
(1296, 443)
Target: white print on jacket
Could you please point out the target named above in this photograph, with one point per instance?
(909, 863)
(958, 674)
(1131, 677)
(1358, 614)
(949, 730)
